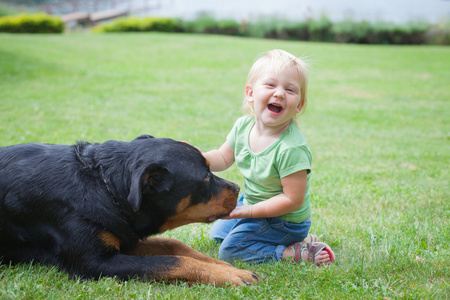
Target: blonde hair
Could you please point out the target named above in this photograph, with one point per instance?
(277, 61)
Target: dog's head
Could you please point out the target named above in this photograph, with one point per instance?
(171, 182)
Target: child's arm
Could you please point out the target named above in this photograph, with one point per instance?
(220, 159)
(292, 198)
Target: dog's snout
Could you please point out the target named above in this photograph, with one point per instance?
(228, 185)
(232, 187)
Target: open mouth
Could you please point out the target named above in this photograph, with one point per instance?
(275, 108)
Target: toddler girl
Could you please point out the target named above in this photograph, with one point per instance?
(273, 213)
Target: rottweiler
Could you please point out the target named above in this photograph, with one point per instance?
(90, 209)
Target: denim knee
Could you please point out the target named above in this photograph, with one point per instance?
(261, 240)
(227, 253)
(247, 242)
(233, 253)
(221, 229)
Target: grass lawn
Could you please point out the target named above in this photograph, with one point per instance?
(377, 123)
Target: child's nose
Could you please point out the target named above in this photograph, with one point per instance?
(279, 93)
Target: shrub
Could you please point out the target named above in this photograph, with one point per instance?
(389, 33)
(229, 27)
(320, 29)
(287, 30)
(140, 24)
(350, 32)
(438, 34)
(298, 31)
(263, 28)
(31, 23)
(379, 33)
(309, 30)
(202, 24)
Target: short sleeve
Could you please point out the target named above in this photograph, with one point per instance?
(293, 160)
(232, 136)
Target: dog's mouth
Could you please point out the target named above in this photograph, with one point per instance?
(275, 108)
(211, 219)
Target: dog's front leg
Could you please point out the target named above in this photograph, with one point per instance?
(175, 268)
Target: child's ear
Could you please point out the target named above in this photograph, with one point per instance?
(299, 106)
(249, 93)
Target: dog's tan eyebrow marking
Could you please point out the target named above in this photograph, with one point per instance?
(110, 240)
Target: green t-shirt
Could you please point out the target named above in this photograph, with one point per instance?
(263, 171)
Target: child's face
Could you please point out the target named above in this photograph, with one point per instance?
(275, 97)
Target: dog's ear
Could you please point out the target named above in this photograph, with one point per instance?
(154, 179)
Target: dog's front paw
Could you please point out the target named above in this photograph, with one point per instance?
(243, 277)
(224, 275)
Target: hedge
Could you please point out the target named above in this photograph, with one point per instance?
(321, 29)
(347, 32)
(31, 23)
(140, 24)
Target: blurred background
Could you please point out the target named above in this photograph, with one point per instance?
(386, 10)
(346, 21)
(241, 10)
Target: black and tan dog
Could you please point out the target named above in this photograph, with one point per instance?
(89, 209)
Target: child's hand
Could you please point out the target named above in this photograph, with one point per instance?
(244, 211)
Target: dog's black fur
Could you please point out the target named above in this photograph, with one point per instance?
(89, 209)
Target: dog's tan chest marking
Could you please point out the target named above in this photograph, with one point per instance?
(110, 240)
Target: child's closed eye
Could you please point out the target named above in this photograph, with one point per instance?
(291, 90)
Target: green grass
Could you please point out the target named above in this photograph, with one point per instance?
(377, 123)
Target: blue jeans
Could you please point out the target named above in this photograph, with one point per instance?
(256, 240)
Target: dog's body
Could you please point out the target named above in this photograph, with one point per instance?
(89, 209)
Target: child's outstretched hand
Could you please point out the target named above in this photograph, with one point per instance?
(244, 211)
